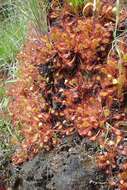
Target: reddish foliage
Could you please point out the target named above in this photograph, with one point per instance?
(69, 81)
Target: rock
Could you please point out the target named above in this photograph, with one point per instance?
(70, 166)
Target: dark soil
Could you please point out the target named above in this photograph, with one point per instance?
(70, 166)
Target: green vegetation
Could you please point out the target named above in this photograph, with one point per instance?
(12, 32)
(5, 132)
(14, 16)
(38, 11)
(76, 3)
(11, 35)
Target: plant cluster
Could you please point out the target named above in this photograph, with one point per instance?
(70, 80)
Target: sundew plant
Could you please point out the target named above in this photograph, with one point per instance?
(69, 82)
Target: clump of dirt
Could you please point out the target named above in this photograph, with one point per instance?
(71, 165)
